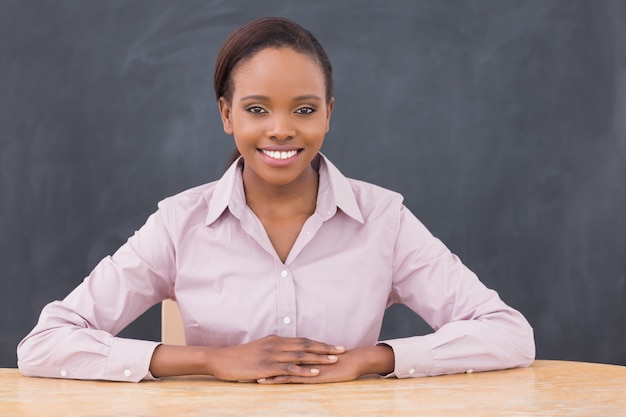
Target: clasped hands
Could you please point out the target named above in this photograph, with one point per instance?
(274, 360)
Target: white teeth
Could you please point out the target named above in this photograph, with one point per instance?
(279, 154)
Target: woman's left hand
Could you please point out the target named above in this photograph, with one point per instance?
(349, 366)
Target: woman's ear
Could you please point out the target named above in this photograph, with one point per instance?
(329, 110)
(226, 115)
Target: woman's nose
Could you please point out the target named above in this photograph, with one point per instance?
(281, 127)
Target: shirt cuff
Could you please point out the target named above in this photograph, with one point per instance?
(129, 360)
(413, 356)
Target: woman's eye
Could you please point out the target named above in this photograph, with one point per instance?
(305, 110)
(256, 109)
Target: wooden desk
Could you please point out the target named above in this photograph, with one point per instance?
(548, 388)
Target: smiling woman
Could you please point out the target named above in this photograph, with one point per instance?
(278, 116)
(283, 268)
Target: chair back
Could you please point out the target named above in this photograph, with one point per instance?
(172, 330)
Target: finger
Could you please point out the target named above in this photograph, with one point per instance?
(283, 379)
(307, 345)
(290, 379)
(306, 358)
(291, 369)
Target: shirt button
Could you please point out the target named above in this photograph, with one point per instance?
(411, 371)
(127, 372)
(63, 373)
(286, 320)
(284, 273)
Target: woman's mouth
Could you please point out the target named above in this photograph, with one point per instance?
(280, 155)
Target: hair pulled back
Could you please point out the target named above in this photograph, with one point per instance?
(268, 32)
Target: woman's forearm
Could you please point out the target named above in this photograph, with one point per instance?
(169, 360)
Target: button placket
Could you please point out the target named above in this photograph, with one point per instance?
(286, 299)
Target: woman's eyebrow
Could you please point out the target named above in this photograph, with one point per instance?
(297, 98)
(307, 97)
(254, 97)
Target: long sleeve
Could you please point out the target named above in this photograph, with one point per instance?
(74, 338)
(474, 329)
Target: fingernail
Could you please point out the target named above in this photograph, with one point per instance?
(315, 371)
(340, 348)
(261, 380)
(332, 357)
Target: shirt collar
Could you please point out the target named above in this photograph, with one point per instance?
(224, 191)
(335, 192)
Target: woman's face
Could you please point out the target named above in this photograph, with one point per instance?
(278, 116)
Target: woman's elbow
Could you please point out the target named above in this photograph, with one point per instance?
(525, 345)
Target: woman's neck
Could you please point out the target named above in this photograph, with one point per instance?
(295, 199)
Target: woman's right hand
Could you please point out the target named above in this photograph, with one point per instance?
(263, 358)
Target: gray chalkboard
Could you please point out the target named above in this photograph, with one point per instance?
(503, 122)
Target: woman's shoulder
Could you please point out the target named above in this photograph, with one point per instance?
(372, 198)
(192, 203)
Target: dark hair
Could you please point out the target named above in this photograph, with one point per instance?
(268, 32)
